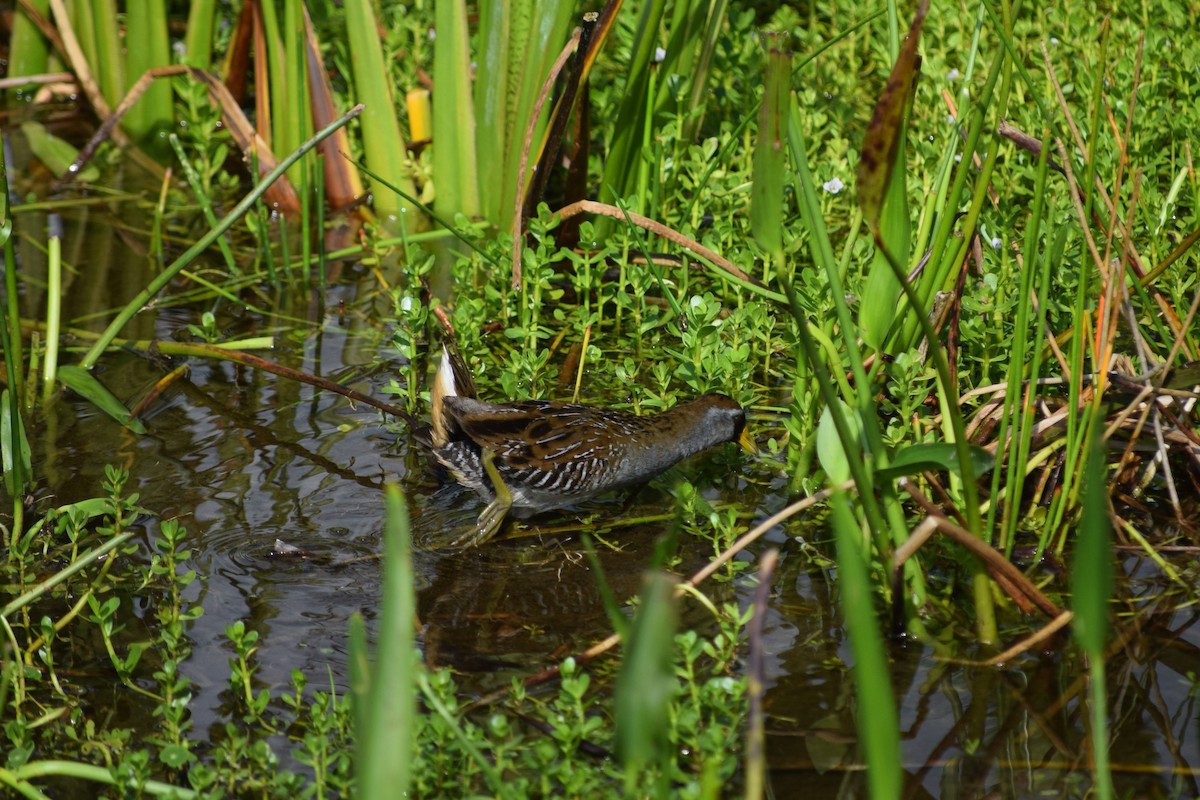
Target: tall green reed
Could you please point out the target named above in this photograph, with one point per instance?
(383, 145)
(385, 688)
(153, 116)
(1091, 590)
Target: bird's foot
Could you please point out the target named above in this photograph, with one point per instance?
(485, 528)
(491, 518)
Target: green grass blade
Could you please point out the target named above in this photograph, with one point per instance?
(53, 309)
(84, 24)
(198, 41)
(492, 133)
(153, 115)
(699, 72)
(766, 192)
(13, 443)
(56, 154)
(621, 165)
(109, 68)
(618, 620)
(878, 723)
(15, 449)
(1092, 569)
(29, 52)
(383, 145)
(85, 384)
(819, 243)
(454, 165)
(1091, 589)
(274, 130)
(646, 682)
(882, 191)
(546, 33)
(298, 114)
(386, 721)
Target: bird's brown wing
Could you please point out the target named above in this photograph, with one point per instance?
(538, 435)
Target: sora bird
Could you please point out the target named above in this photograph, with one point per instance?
(532, 456)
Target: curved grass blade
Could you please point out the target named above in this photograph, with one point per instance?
(85, 384)
(57, 154)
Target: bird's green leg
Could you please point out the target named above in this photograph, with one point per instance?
(491, 517)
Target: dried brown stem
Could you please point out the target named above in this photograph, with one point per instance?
(255, 362)
(995, 562)
(756, 759)
(657, 228)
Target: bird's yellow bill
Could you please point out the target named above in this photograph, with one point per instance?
(747, 443)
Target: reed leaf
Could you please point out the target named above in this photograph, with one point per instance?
(385, 692)
(622, 165)
(1092, 568)
(383, 145)
(109, 66)
(492, 132)
(646, 682)
(84, 24)
(878, 722)
(697, 68)
(454, 165)
(28, 50)
(343, 185)
(14, 449)
(297, 110)
(56, 154)
(547, 33)
(152, 117)
(85, 384)
(766, 192)
(1091, 590)
(882, 191)
(198, 41)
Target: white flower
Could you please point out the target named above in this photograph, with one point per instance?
(406, 303)
(996, 243)
(659, 55)
(953, 75)
(833, 185)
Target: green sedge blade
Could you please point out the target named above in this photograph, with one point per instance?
(85, 384)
